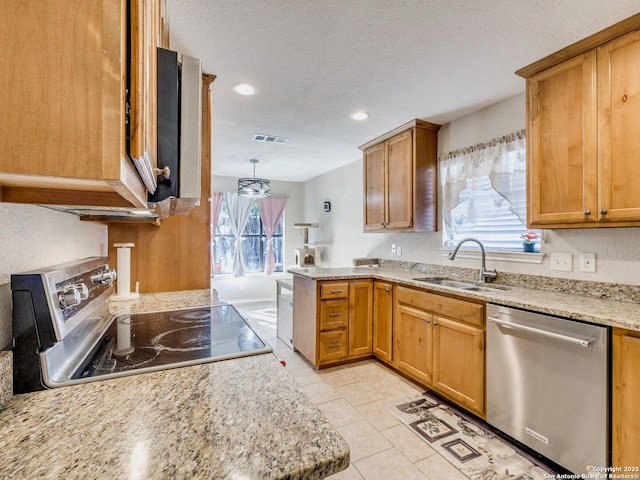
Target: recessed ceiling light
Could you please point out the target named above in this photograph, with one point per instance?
(244, 89)
(359, 115)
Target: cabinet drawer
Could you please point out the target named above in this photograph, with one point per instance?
(334, 290)
(334, 313)
(453, 308)
(333, 346)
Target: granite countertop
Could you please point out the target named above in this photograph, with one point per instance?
(585, 306)
(234, 419)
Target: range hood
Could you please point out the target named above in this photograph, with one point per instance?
(179, 124)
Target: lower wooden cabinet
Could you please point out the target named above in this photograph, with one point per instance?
(439, 341)
(413, 349)
(625, 405)
(332, 320)
(458, 362)
(382, 320)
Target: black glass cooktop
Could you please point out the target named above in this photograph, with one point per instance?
(153, 341)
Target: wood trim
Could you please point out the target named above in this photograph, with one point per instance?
(402, 128)
(621, 28)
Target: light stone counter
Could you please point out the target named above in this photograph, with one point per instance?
(594, 304)
(233, 419)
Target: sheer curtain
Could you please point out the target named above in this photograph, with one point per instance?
(271, 209)
(215, 205)
(239, 209)
(480, 180)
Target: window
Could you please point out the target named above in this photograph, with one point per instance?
(484, 193)
(254, 243)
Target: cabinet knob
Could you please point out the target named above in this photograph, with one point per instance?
(603, 211)
(587, 213)
(427, 321)
(164, 172)
(435, 323)
(624, 98)
(387, 290)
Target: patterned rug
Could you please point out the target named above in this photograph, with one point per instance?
(471, 448)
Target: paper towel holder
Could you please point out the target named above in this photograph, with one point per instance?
(123, 282)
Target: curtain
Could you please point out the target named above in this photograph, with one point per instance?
(215, 204)
(502, 160)
(239, 208)
(271, 209)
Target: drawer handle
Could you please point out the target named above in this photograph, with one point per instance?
(336, 291)
(334, 345)
(335, 314)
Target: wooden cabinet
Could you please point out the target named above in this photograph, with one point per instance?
(413, 349)
(458, 362)
(400, 179)
(332, 320)
(439, 341)
(63, 103)
(382, 320)
(583, 114)
(625, 405)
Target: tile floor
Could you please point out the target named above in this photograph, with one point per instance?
(353, 398)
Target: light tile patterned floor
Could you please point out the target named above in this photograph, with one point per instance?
(353, 397)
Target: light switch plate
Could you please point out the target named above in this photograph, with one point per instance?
(399, 250)
(393, 248)
(588, 262)
(562, 262)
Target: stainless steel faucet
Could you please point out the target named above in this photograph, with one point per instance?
(485, 275)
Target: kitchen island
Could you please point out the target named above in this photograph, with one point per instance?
(235, 419)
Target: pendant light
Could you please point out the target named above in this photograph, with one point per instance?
(254, 187)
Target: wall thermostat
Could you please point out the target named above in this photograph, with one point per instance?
(327, 206)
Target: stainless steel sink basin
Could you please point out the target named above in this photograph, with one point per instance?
(446, 282)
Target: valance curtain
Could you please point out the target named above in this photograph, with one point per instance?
(215, 203)
(239, 209)
(271, 209)
(502, 160)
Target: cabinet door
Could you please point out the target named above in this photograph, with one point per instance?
(399, 202)
(561, 143)
(360, 307)
(143, 72)
(626, 408)
(413, 342)
(458, 363)
(619, 129)
(374, 188)
(382, 320)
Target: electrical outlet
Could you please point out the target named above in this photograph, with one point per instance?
(399, 250)
(588, 262)
(393, 248)
(562, 262)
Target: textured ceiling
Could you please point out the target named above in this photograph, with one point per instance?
(315, 62)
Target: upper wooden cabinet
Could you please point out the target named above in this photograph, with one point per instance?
(400, 179)
(64, 100)
(583, 109)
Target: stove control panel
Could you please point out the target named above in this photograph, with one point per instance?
(78, 291)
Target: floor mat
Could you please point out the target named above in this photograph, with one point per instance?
(471, 448)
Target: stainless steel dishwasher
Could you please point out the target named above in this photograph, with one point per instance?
(548, 385)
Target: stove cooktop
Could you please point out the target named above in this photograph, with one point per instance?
(152, 341)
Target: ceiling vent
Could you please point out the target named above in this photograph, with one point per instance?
(259, 137)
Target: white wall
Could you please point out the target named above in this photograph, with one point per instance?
(32, 237)
(617, 249)
(261, 286)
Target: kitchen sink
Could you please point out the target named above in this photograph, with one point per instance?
(447, 282)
